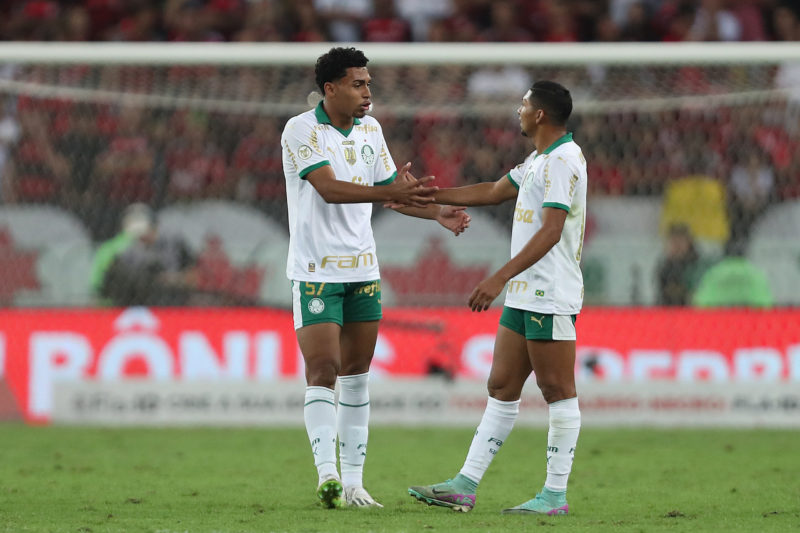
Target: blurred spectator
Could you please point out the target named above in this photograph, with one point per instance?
(786, 22)
(386, 26)
(733, 282)
(190, 20)
(76, 25)
(227, 16)
(637, 25)
(81, 144)
(264, 22)
(441, 157)
(788, 180)
(750, 17)
(34, 20)
(344, 18)
(679, 269)
(605, 172)
(141, 267)
(678, 24)
(9, 135)
(309, 26)
(196, 166)
(104, 14)
(505, 26)
(422, 13)
(499, 81)
(36, 171)
(750, 191)
(258, 168)
(551, 21)
(605, 30)
(481, 165)
(462, 25)
(123, 173)
(139, 25)
(713, 22)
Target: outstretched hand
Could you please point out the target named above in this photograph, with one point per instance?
(485, 293)
(454, 218)
(407, 191)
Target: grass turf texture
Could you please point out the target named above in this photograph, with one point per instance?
(229, 480)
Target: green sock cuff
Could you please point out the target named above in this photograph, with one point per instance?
(465, 484)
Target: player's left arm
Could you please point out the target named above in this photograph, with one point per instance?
(454, 218)
(549, 234)
(559, 189)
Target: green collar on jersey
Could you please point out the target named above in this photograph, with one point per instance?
(323, 118)
(561, 140)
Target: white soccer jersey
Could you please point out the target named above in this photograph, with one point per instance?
(554, 178)
(332, 242)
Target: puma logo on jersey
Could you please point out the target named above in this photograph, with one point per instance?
(538, 320)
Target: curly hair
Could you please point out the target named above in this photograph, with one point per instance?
(333, 65)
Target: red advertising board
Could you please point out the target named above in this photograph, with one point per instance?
(41, 347)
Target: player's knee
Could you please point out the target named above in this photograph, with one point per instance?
(505, 392)
(358, 366)
(322, 374)
(554, 391)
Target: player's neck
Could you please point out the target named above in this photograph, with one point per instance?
(343, 121)
(544, 138)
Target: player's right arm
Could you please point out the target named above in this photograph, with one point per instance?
(304, 152)
(488, 193)
(403, 190)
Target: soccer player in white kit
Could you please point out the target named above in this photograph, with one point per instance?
(336, 163)
(543, 298)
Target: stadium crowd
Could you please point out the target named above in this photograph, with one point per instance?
(397, 21)
(94, 157)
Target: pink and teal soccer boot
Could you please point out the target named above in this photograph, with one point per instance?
(452, 494)
(546, 502)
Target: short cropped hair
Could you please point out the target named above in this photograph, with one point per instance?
(333, 65)
(554, 98)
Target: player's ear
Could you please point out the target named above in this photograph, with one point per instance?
(330, 88)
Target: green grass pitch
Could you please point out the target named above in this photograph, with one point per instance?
(56, 479)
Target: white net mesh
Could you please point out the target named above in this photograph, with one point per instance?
(709, 146)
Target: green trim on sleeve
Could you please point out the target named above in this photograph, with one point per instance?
(388, 180)
(315, 166)
(514, 183)
(556, 205)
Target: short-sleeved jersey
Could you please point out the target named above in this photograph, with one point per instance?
(555, 178)
(332, 242)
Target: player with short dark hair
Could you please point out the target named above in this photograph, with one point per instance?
(336, 164)
(544, 296)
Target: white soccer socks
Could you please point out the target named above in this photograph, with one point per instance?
(352, 427)
(497, 422)
(319, 413)
(565, 424)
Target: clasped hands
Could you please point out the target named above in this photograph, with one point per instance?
(412, 192)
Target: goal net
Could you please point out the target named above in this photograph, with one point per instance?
(693, 154)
